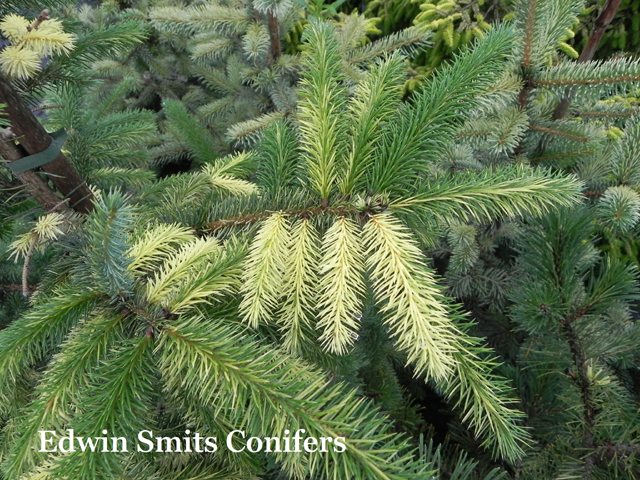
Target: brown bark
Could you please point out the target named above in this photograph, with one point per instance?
(602, 22)
(274, 34)
(581, 378)
(303, 213)
(35, 185)
(34, 139)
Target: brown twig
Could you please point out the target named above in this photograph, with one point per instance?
(551, 131)
(581, 378)
(32, 246)
(256, 217)
(46, 107)
(13, 287)
(530, 24)
(274, 34)
(523, 101)
(44, 15)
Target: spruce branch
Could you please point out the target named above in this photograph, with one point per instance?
(418, 133)
(572, 296)
(560, 133)
(487, 402)
(624, 163)
(210, 282)
(276, 394)
(339, 210)
(274, 35)
(300, 288)
(322, 99)
(372, 105)
(411, 303)
(530, 10)
(25, 266)
(117, 399)
(263, 270)
(510, 191)
(30, 339)
(423, 326)
(406, 41)
(109, 225)
(608, 75)
(44, 15)
(58, 390)
(544, 25)
(179, 268)
(246, 133)
(199, 18)
(341, 286)
(279, 162)
(582, 380)
(187, 128)
(156, 245)
(91, 46)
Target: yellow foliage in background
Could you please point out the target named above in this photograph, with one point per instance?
(30, 42)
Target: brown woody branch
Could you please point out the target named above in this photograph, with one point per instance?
(46, 107)
(528, 33)
(581, 378)
(592, 81)
(552, 131)
(602, 22)
(302, 212)
(274, 34)
(25, 266)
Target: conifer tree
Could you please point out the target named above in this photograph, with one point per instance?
(577, 390)
(551, 111)
(523, 122)
(575, 368)
(235, 66)
(66, 73)
(318, 234)
(343, 188)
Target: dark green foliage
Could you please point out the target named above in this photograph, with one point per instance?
(573, 305)
(278, 157)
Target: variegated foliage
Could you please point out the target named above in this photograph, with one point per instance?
(362, 160)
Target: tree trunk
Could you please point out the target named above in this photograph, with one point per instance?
(34, 139)
(35, 185)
